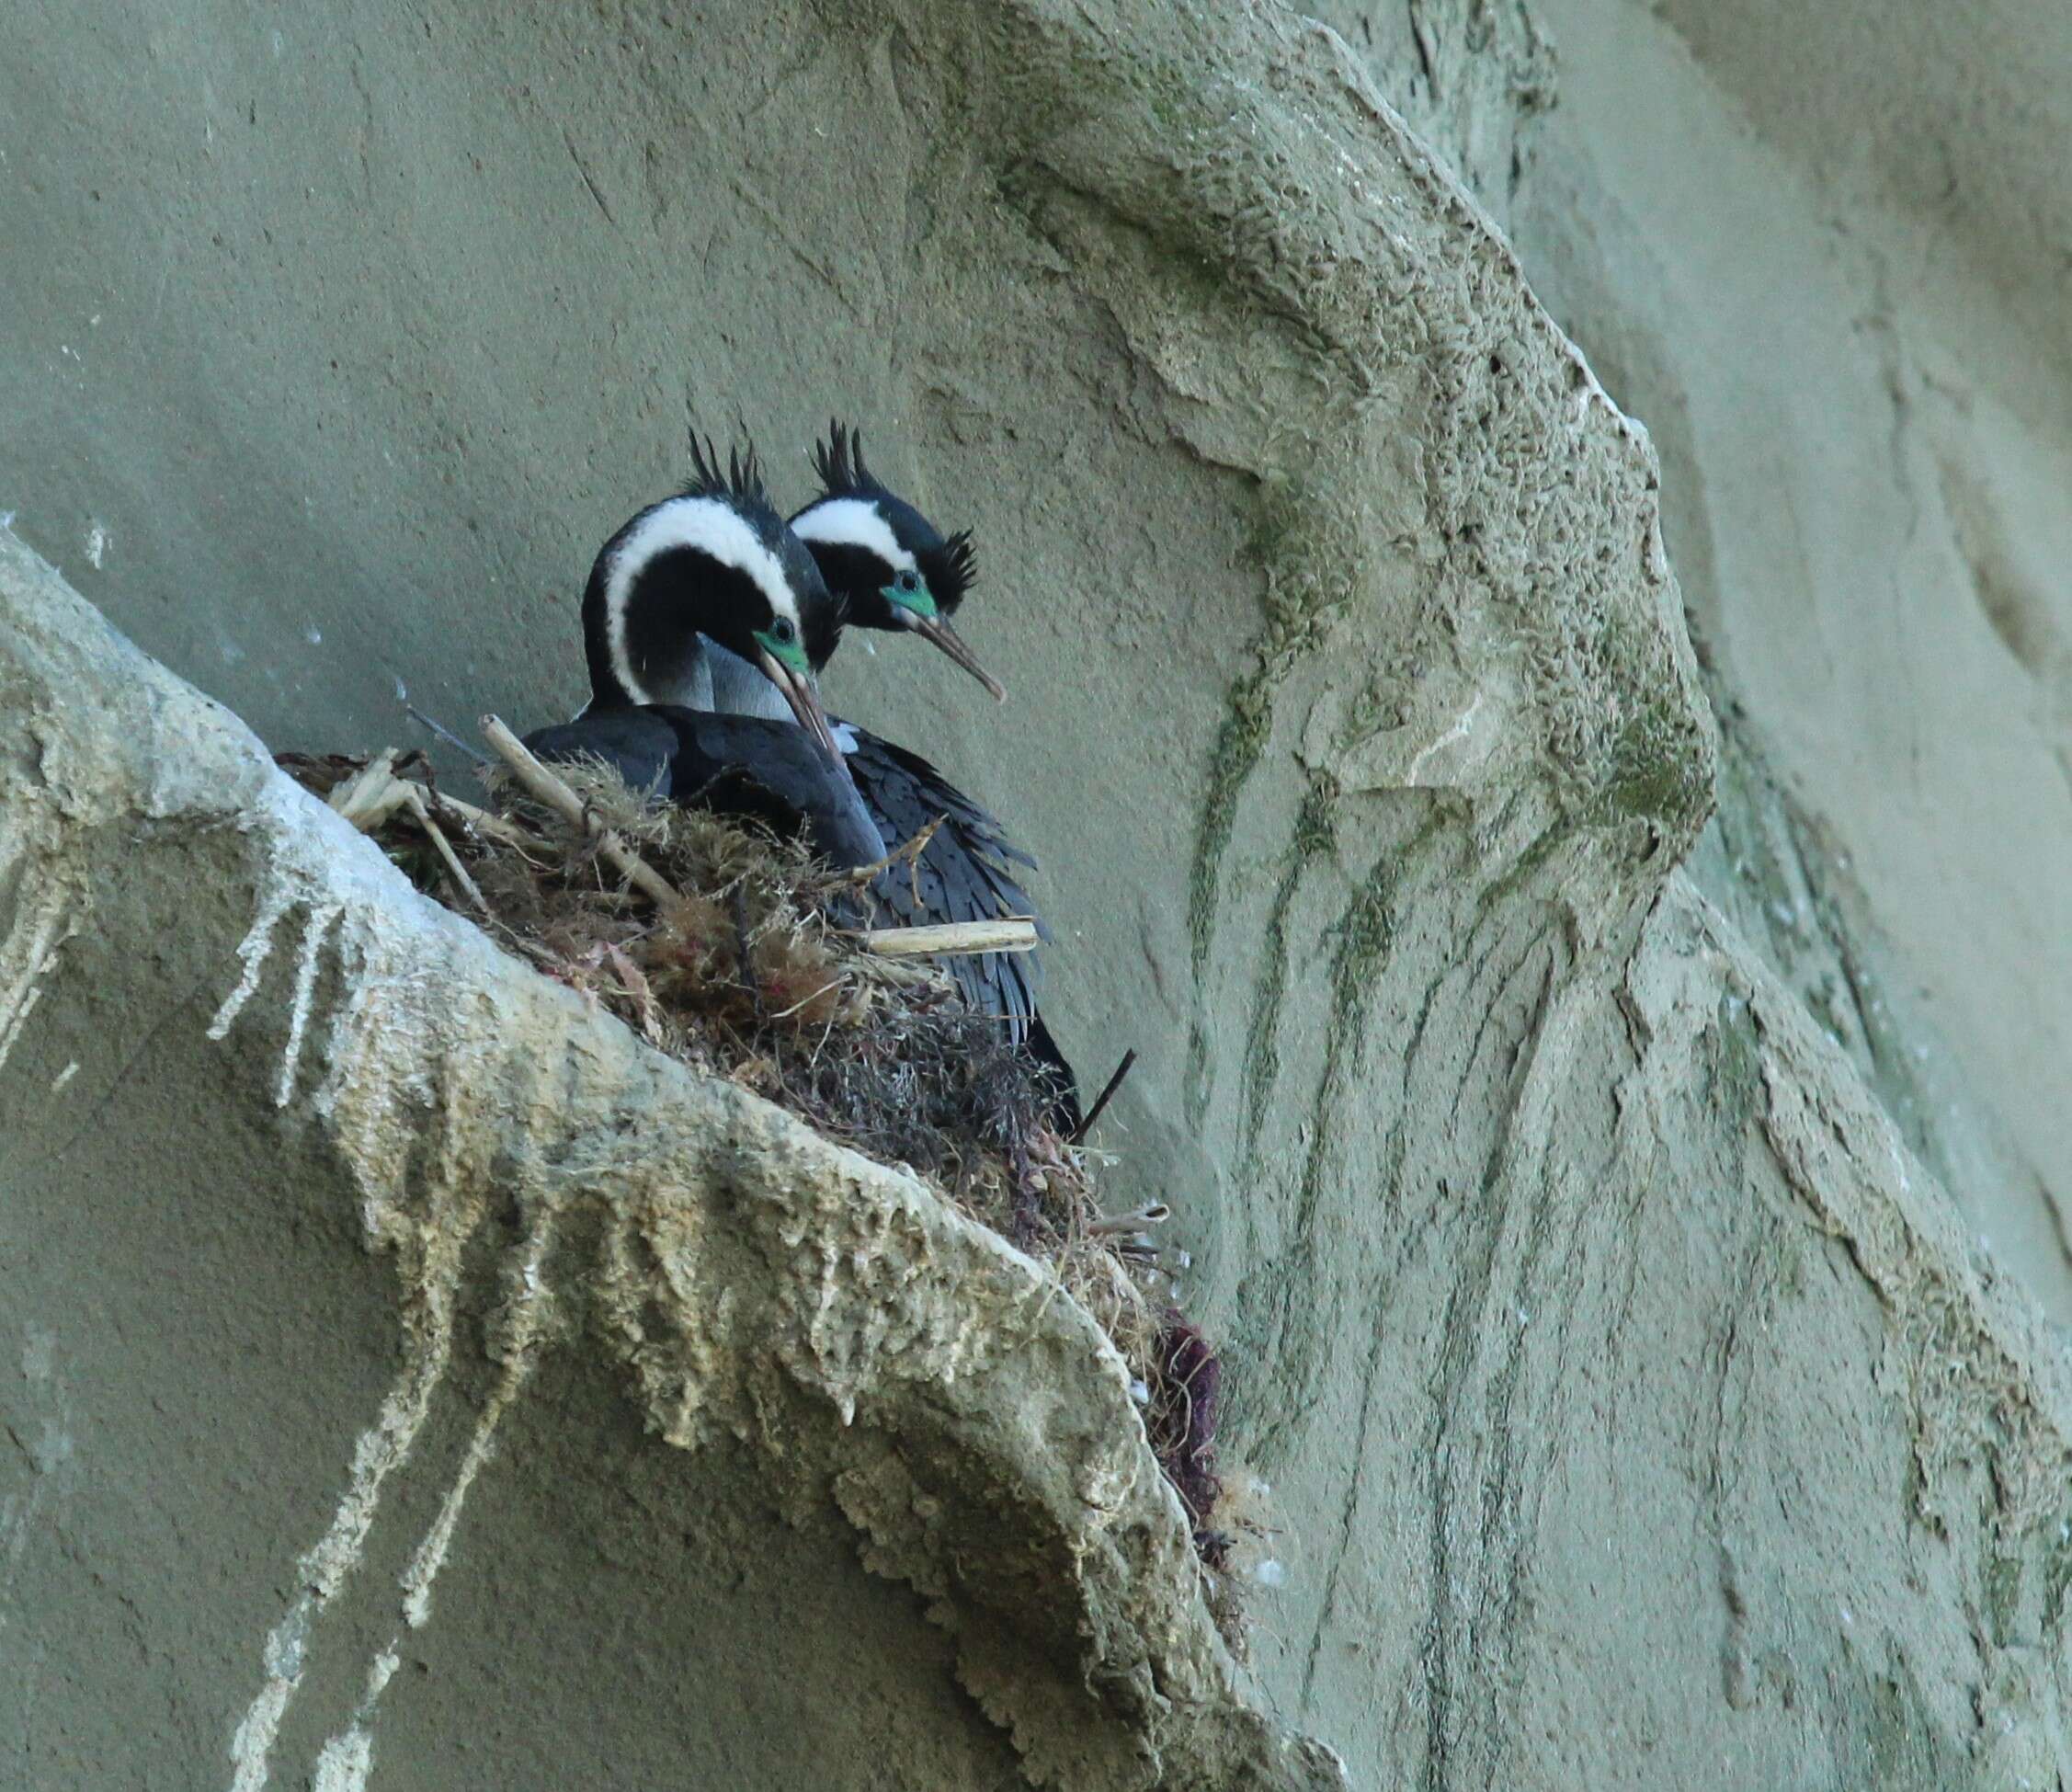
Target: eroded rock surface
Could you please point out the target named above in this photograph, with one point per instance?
(1636, 1409)
(537, 1176)
(1850, 360)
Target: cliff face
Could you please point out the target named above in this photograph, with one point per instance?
(1638, 1409)
(806, 1325)
(1852, 363)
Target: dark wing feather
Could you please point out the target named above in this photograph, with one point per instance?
(638, 744)
(747, 766)
(964, 874)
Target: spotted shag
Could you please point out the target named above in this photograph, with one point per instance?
(889, 567)
(713, 570)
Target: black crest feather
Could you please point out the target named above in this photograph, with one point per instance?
(839, 463)
(955, 566)
(741, 479)
(952, 565)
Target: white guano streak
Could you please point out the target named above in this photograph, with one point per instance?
(348, 1757)
(253, 951)
(40, 925)
(382, 1447)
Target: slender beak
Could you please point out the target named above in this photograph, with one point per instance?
(937, 629)
(805, 702)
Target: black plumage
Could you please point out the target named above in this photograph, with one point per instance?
(964, 872)
(749, 765)
(889, 567)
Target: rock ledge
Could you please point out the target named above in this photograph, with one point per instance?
(530, 1168)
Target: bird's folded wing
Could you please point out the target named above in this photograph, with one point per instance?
(964, 874)
(749, 767)
(638, 744)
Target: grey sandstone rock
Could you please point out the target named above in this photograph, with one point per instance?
(1850, 360)
(1636, 1409)
(539, 1179)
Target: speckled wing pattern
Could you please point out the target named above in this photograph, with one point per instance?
(964, 874)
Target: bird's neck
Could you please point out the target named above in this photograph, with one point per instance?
(740, 689)
(668, 666)
(685, 679)
(706, 677)
(736, 688)
(687, 682)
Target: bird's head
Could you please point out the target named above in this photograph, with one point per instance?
(715, 563)
(887, 565)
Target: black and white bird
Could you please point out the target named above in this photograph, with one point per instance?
(706, 622)
(713, 575)
(889, 567)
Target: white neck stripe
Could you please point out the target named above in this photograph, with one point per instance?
(854, 522)
(709, 525)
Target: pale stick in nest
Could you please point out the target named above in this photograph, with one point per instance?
(1156, 1213)
(374, 793)
(1127, 1236)
(1018, 934)
(542, 785)
(1009, 933)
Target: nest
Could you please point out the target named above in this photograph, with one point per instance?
(736, 951)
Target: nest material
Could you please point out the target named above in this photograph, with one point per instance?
(742, 969)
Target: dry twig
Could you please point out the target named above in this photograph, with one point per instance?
(1018, 934)
(444, 847)
(1106, 1096)
(547, 788)
(372, 795)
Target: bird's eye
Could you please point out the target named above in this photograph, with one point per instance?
(909, 581)
(783, 629)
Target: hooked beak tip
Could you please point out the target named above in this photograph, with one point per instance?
(936, 630)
